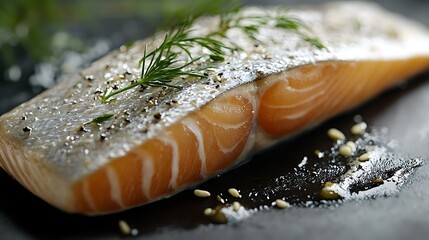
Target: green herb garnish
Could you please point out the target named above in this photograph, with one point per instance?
(102, 118)
(315, 42)
(162, 64)
(251, 25)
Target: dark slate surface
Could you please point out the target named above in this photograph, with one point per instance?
(403, 110)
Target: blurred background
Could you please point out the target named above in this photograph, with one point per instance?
(43, 41)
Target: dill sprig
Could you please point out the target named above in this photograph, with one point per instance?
(161, 65)
(251, 25)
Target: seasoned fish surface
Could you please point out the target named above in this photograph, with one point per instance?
(162, 140)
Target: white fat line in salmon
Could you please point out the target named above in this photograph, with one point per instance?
(193, 127)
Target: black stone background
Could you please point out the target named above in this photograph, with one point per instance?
(403, 110)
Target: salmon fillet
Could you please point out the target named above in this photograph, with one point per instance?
(163, 140)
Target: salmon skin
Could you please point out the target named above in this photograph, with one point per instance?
(163, 140)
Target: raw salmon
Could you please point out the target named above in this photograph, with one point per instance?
(162, 140)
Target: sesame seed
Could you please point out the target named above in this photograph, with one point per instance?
(282, 204)
(336, 134)
(327, 193)
(364, 157)
(345, 151)
(218, 216)
(209, 212)
(201, 193)
(236, 206)
(377, 180)
(359, 128)
(234, 192)
(124, 227)
(220, 199)
(352, 145)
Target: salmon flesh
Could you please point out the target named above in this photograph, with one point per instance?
(163, 140)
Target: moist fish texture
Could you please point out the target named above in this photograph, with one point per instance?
(163, 140)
